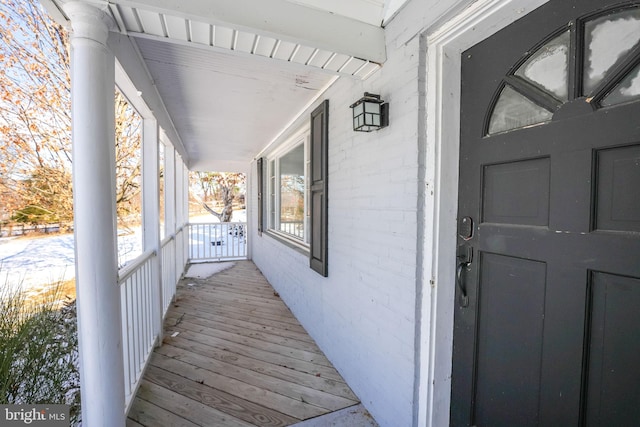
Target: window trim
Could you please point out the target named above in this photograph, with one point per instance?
(315, 137)
(272, 202)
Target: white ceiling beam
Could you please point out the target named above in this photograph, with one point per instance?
(54, 11)
(369, 11)
(138, 76)
(280, 19)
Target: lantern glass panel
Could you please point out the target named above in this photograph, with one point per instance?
(372, 107)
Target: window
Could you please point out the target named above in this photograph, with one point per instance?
(540, 85)
(288, 191)
(296, 203)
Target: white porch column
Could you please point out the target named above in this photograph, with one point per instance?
(151, 213)
(170, 190)
(184, 207)
(179, 191)
(180, 244)
(98, 295)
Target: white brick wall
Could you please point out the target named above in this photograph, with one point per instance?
(363, 314)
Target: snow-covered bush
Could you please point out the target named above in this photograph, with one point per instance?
(39, 351)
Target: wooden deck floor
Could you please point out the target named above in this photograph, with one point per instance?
(239, 358)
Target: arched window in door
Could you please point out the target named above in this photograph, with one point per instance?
(596, 59)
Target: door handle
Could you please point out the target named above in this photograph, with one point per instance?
(464, 257)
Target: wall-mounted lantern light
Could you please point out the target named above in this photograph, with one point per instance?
(370, 113)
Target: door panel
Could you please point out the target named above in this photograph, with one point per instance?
(516, 192)
(508, 356)
(617, 176)
(614, 346)
(551, 331)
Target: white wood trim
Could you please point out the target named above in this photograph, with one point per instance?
(370, 11)
(443, 61)
(280, 19)
(298, 137)
(151, 213)
(133, 76)
(180, 220)
(291, 65)
(170, 226)
(150, 185)
(54, 11)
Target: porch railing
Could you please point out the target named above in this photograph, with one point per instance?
(144, 300)
(137, 297)
(145, 297)
(295, 228)
(217, 241)
(167, 260)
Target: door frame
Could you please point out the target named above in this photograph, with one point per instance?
(440, 51)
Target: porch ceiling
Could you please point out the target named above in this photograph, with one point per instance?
(226, 107)
(232, 75)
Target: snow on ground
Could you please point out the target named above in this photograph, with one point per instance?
(29, 262)
(237, 216)
(203, 271)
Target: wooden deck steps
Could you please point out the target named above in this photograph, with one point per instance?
(234, 355)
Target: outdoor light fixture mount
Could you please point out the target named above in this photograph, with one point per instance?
(370, 113)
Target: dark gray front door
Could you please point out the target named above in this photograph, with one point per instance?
(547, 319)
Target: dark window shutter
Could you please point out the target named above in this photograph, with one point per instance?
(260, 164)
(319, 151)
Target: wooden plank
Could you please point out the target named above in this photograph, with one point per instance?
(263, 335)
(338, 388)
(238, 293)
(274, 308)
(133, 423)
(194, 342)
(240, 284)
(225, 402)
(237, 281)
(268, 306)
(186, 407)
(195, 308)
(296, 408)
(227, 319)
(261, 380)
(213, 306)
(150, 415)
(316, 358)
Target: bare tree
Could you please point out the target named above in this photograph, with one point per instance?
(35, 120)
(224, 186)
(128, 161)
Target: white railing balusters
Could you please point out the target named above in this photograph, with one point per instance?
(168, 260)
(217, 241)
(136, 296)
(139, 287)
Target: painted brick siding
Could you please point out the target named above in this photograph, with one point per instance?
(363, 314)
